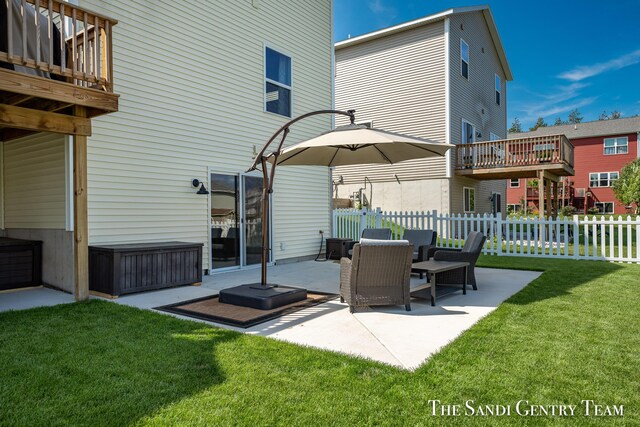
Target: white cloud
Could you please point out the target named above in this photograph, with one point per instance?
(584, 71)
(561, 100)
(379, 8)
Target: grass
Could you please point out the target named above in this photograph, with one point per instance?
(572, 334)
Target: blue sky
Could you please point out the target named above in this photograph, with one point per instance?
(563, 54)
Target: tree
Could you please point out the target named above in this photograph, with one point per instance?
(627, 187)
(575, 116)
(516, 126)
(603, 115)
(615, 114)
(540, 123)
(559, 122)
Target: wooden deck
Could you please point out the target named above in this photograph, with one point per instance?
(70, 71)
(516, 158)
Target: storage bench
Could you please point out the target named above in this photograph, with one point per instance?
(124, 269)
(20, 263)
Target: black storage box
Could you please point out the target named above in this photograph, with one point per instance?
(20, 263)
(124, 269)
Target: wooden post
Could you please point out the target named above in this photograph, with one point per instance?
(541, 202)
(81, 223)
(555, 198)
(547, 196)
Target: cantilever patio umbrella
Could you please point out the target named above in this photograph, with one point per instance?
(345, 145)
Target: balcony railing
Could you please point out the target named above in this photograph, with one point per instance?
(56, 39)
(568, 193)
(555, 149)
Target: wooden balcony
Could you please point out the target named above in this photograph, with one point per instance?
(56, 68)
(567, 194)
(516, 158)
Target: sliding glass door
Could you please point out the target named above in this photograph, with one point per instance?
(236, 220)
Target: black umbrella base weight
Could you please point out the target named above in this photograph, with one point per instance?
(262, 298)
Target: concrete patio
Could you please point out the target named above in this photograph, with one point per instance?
(386, 334)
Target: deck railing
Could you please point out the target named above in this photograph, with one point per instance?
(568, 193)
(515, 152)
(61, 39)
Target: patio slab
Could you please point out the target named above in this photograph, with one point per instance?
(386, 334)
(32, 298)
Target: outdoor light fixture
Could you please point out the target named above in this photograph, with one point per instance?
(202, 189)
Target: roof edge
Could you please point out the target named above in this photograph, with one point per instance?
(486, 11)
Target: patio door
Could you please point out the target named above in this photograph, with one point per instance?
(236, 220)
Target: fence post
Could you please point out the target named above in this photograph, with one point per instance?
(576, 237)
(378, 216)
(363, 221)
(499, 235)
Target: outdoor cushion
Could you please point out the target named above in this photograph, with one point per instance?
(379, 242)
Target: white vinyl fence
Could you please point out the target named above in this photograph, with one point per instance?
(595, 238)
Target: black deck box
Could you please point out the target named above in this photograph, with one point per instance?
(124, 269)
(20, 263)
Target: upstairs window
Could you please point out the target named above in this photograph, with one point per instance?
(498, 89)
(602, 179)
(616, 145)
(277, 82)
(514, 183)
(464, 59)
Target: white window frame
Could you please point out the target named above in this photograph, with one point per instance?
(494, 137)
(468, 60)
(266, 80)
(597, 180)
(604, 210)
(493, 202)
(514, 207)
(464, 199)
(463, 135)
(511, 183)
(498, 84)
(615, 145)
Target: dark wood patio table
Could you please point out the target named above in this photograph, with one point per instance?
(432, 268)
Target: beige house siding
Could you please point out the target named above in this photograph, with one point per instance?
(397, 82)
(474, 100)
(34, 182)
(191, 80)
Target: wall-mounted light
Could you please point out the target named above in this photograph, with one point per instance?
(478, 134)
(202, 189)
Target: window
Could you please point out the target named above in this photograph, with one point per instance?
(464, 59)
(496, 203)
(616, 145)
(513, 208)
(604, 207)
(469, 203)
(602, 179)
(277, 82)
(498, 87)
(514, 183)
(493, 137)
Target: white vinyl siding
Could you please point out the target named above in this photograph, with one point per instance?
(34, 182)
(398, 82)
(191, 80)
(473, 99)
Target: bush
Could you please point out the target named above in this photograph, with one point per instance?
(593, 211)
(567, 210)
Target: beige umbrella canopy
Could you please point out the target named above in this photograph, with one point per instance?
(356, 144)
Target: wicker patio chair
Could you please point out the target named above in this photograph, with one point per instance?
(469, 253)
(421, 240)
(378, 274)
(371, 233)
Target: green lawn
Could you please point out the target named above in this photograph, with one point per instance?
(572, 334)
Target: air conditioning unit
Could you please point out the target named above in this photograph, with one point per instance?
(580, 192)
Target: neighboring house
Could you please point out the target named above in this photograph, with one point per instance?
(442, 77)
(602, 148)
(202, 85)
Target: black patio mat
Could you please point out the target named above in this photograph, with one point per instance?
(210, 309)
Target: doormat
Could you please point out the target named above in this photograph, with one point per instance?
(212, 310)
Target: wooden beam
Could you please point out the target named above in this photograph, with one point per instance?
(555, 198)
(25, 84)
(541, 205)
(80, 214)
(43, 121)
(547, 196)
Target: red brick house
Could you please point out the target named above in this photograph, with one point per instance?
(602, 148)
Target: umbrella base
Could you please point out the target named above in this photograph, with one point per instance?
(262, 298)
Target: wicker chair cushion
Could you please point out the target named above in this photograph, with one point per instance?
(378, 242)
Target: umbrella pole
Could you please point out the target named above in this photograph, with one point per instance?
(265, 222)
